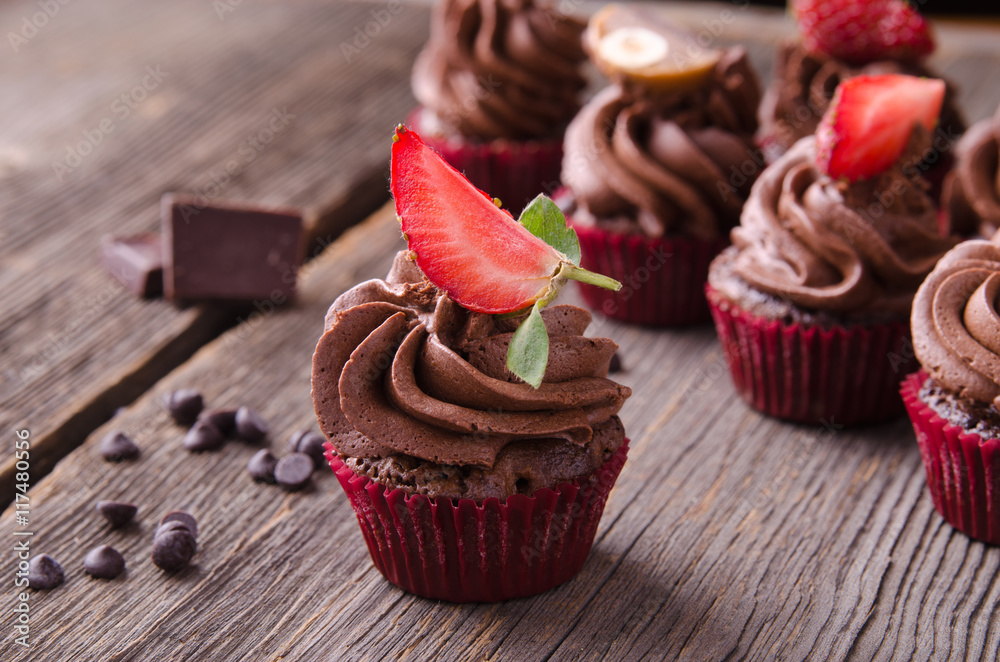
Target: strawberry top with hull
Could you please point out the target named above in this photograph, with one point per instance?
(463, 242)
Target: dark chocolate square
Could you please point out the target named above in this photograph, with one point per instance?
(136, 262)
(227, 250)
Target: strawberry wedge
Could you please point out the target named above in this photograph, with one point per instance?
(870, 120)
(466, 245)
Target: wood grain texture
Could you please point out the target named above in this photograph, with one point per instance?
(261, 105)
(728, 536)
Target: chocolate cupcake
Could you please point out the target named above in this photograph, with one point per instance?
(972, 191)
(497, 83)
(812, 300)
(832, 49)
(953, 400)
(658, 166)
(477, 441)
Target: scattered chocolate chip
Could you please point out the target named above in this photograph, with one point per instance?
(118, 513)
(261, 466)
(224, 420)
(293, 471)
(116, 447)
(136, 262)
(203, 436)
(310, 443)
(185, 518)
(250, 426)
(104, 562)
(173, 546)
(616, 364)
(184, 405)
(44, 572)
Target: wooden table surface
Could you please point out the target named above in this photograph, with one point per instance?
(728, 535)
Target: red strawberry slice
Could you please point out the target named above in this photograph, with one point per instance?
(869, 122)
(468, 247)
(862, 31)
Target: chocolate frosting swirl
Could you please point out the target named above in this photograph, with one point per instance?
(837, 247)
(666, 164)
(956, 325)
(803, 85)
(501, 69)
(972, 191)
(402, 370)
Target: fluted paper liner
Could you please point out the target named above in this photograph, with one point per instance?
(663, 280)
(963, 468)
(808, 374)
(462, 551)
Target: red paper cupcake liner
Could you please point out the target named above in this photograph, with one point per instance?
(515, 171)
(663, 280)
(808, 374)
(963, 468)
(466, 552)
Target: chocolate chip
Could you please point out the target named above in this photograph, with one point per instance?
(44, 572)
(261, 466)
(116, 447)
(104, 562)
(616, 364)
(173, 546)
(184, 405)
(250, 426)
(224, 420)
(203, 436)
(310, 443)
(184, 518)
(118, 513)
(293, 471)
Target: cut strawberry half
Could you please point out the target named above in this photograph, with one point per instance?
(464, 243)
(869, 122)
(862, 31)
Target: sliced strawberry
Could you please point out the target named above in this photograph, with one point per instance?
(862, 31)
(869, 122)
(467, 246)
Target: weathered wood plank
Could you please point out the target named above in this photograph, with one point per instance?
(728, 536)
(261, 105)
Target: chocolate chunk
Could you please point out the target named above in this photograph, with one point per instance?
(203, 436)
(224, 420)
(261, 466)
(173, 547)
(44, 572)
(116, 447)
(250, 426)
(293, 471)
(136, 262)
(104, 562)
(616, 364)
(220, 250)
(184, 518)
(184, 405)
(310, 443)
(118, 513)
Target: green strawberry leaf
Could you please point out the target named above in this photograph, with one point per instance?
(528, 353)
(543, 218)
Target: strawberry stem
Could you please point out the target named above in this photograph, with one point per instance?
(589, 277)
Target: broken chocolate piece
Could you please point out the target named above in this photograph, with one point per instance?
(136, 262)
(229, 251)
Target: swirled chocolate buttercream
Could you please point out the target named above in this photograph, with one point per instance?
(413, 391)
(972, 191)
(500, 69)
